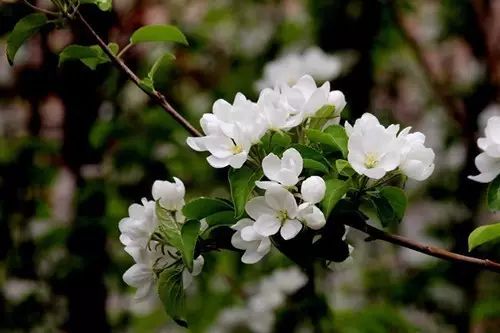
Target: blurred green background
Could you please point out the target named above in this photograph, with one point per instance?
(77, 147)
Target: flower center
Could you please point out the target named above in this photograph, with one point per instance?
(237, 149)
(371, 160)
(282, 216)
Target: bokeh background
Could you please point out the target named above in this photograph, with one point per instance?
(77, 147)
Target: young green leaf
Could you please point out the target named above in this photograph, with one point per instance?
(242, 182)
(24, 29)
(90, 56)
(203, 207)
(190, 231)
(390, 204)
(171, 292)
(344, 168)
(335, 190)
(182, 239)
(148, 83)
(321, 116)
(224, 218)
(494, 194)
(103, 5)
(334, 137)
(158, 33)
(311, 154)
(484, 234)
(315, 165)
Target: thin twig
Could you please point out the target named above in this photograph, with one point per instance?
(425, 249)
(453, 107)
(41, 10)
(155, 95)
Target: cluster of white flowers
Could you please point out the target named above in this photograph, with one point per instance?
(375, 150)
(137, 232)
(231, 130)
(488, 162)
(277, 210)
(267, 297)
(292, 66)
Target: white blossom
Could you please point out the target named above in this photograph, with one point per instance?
(187, 277)
(284, 172)
(255, 245)
(373, 149)
(313, 189)
(141, 275)
(311, 216)
(275, 212)
(170, 195)
(137, 229)
(417, 161)
(291, 67)
(488, 162)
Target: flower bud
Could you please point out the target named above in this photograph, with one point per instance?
(170, 195)
(313, 189)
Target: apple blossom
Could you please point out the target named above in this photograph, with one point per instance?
(417, 161)
(255, 245)
(313, 189)
(488, 162)
(136, 230)
(170, 195)
(311, 216)
(284, 172)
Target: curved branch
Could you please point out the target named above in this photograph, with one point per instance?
(425, 249)
(155, 95)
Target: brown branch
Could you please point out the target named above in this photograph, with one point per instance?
(425, 249)
(155, 95)
(439, 90)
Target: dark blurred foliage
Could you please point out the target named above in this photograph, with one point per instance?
(77, 147)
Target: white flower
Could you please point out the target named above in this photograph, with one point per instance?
(141, 274)
(275, 110)
(170, 195)
(313, 189)
(373, 149)
(255, 245)
(187, 277)
(417, 161)
(306, 99)
(311, 215)
(291, 67)
(137, 229)
(276, 211)
(284, 171)
(488, 162)
(230, 131)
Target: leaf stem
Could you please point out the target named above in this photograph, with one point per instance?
(41, 10)
(125, 49)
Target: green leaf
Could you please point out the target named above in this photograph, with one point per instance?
(203, 207)
(190, 231)
(335, 190)
(175, 234)
(390, 203)
(158, 33)
(315, 165)
(334, 136)
(242, 182)
(494, 194)
(91, 56)
(344, 168)
(171, 292)
(103, 5)
(148, 83)
(224, 218)
(24, 29)
(322, 116)
(312, 154)
(484, 234)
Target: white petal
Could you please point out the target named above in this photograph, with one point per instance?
(218, 162)
(267, 225)
(257, 207)
(290, 229)
(313, 189)
(271, 165)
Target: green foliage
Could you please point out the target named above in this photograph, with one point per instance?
(158, 33)
(390, 203)
(344, 168)
(24, 29)
(171, 292)
(203, 207)
(315, 165)
(335, 190)
(484, 234)
(223, 218)
(103, 5)
(333, 136)
(175, 235)
(149, 82)
(322, 116)
(494, 195)
(90, 56)
(242, 182)
(309, 153)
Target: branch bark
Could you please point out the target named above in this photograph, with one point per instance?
(155, 95)
(425, 249)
